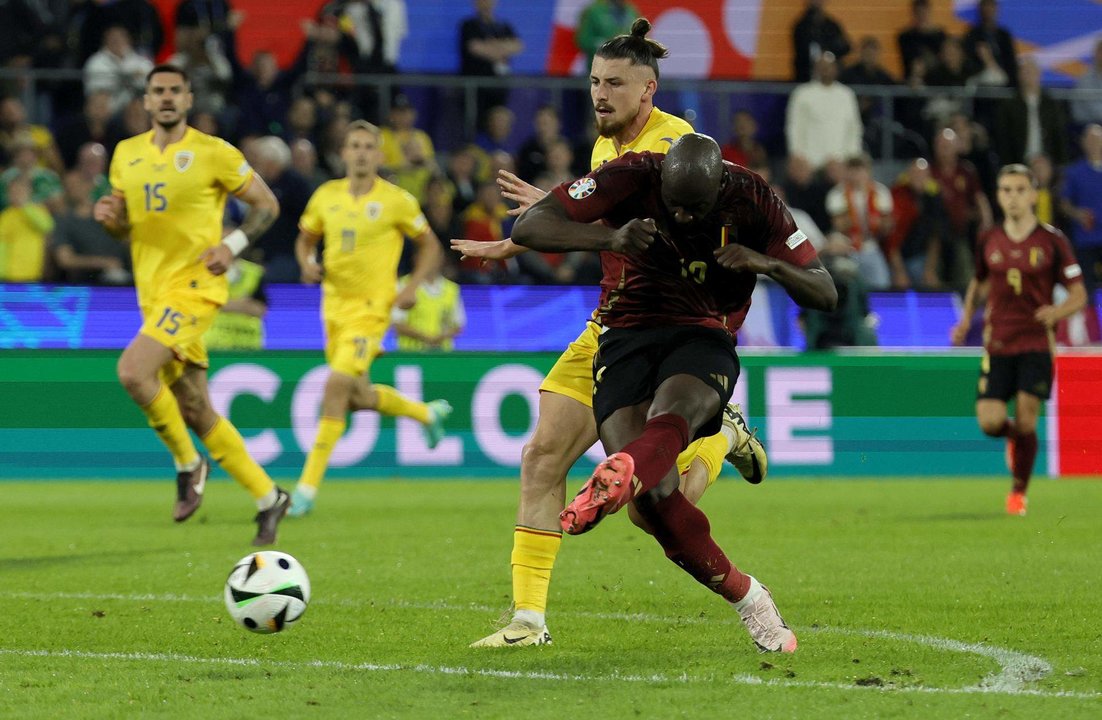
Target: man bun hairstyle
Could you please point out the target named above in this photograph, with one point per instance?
(635, 47)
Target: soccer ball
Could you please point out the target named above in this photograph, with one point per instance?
(267, 591)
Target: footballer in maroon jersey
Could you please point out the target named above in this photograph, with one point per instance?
(1017, 266)
(665, 364)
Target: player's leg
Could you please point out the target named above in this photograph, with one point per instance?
(1034, 383)
(335, 404)
(698, 468)
(227, 447)
(564, 431)
(386, 400)
(138, 371)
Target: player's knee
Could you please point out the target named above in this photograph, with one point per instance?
(543, 453)
(991, 425)
(130, 377)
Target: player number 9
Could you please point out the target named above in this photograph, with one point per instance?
(1014, 280)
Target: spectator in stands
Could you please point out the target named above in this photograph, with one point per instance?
(83, 251)
(91, 126)
(997, 38)
(485, 220)
(441, 215)
(271, 157)
(1085, 112)
(532, 156)
(117, 69)
(560, 166)
(262, 92)
(399, 132)
(850, 323)
(436, 318)
(22, 30)
(304, 159)
(210, 17)
(816, 34)
(25, 226)
(377, 27)
(210, 72)
(921, 40)
(415, 170)
(974, 145)
(301, 120)
(918, 231)
(861, 209)
(142, 22)
(133, 120)
(950, 70)
(463, 174)
(867, 70)
(45, 184)
(1081, 200)
(806, 189)
(600, 21)
(486, 47)
(1045, 176)
(743, 148)
(967, 209)
(89, 172)
(498, 131)
(823, 121)
(1031, 123)
(14, 129)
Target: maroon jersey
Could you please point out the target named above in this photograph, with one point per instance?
(677, 281)
(1022, 274)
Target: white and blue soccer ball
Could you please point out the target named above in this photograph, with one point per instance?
(267, 592)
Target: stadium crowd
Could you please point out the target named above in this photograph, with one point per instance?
(914, 227)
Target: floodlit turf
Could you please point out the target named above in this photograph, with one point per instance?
(907, 596)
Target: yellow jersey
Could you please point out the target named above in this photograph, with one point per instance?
(363, 238)
(656, 136)
(175, 199)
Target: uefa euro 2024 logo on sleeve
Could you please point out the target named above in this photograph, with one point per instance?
(582, 188)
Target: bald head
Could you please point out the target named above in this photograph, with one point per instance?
(692, 173)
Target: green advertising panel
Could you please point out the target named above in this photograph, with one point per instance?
(63, 414)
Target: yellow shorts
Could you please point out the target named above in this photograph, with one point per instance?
(572, 374)
(353, 335)
(178, 321)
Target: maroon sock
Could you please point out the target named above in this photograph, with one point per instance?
(656, 450)
(1025, 453)
(684, 533)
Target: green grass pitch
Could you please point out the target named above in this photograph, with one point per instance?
(911, 598)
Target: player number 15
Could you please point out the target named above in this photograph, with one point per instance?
(155, 201)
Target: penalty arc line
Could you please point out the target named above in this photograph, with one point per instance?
(1015, 668)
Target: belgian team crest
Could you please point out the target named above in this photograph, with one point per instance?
(182, 160)
(582, 188)
(373, 210)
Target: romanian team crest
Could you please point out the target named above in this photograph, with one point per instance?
(582, 188)
(183, 160)
(373, 210)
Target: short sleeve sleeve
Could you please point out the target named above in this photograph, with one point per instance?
(590, 198)
(1068, 270)
(312, 221)
(411, 221)
(232, 171)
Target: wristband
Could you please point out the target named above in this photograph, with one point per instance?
(236, 241)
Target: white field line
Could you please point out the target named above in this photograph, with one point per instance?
(1015, 668)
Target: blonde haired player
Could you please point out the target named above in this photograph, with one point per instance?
(623, 80)
(363, 220)
(169, 188)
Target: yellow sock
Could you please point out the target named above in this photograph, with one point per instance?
(228, 449)
(534, 554)
(393, 403)
(163, 413)
(329, 432)
(711, 452)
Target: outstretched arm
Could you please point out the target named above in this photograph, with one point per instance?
(546, 227)
(810, 286)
